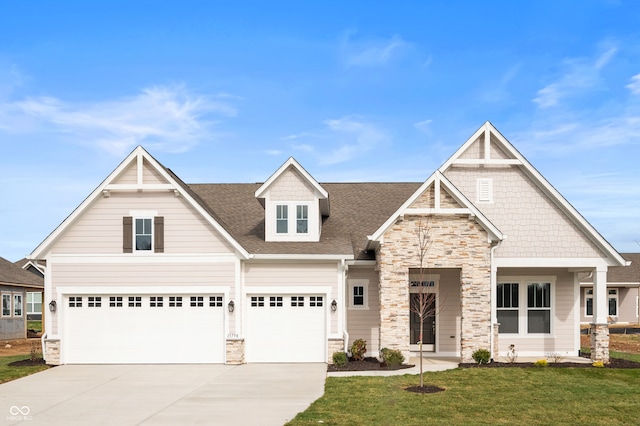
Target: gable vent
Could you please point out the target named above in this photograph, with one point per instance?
(485, 190)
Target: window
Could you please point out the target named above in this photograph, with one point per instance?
(135, 301)
(94, 301)
(17, 304)
(257, 301)
(6, 305)
(115, 301)
(175, 301)
(215, 301)
(197, 301)
(315, 301)
(34, 303)
(297, 301)
(358, 295)
(507, 307)
(302, 222)
(282, 219)
(588, 301)
(613, 302)
(75, 302)
(156, 301)
(485, 190)
(143, 234)
(539, 308)
(275, 301)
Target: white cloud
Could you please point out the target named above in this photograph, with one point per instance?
(580, 74)
(634, 86)
(423, 126)
(162, 118)
(372, 53)
(341, 139)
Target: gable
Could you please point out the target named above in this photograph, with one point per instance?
(148, 174)
(427, 200)
(540, 222)
(291, 186)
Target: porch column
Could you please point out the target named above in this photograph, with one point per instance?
(600, 325)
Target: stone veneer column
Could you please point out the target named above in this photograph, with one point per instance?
(600, 342)
(334, 345)
(457, 243)
(235, 351)
(51, 351)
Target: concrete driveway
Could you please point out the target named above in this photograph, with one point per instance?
(252, 394)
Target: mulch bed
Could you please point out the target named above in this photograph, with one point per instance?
(614, 363)
(424, 389)
(27, 362)
(367, 364)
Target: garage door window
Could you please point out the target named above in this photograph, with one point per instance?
(175, 301)
(197, 301)
(135, 301)
(275, 301)
(115, 302)
(297, 301)
(95, 301)
(215, 301)
(257, 301)
(75, 302)
(156, 301)
(315, 301)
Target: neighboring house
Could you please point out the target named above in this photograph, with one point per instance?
(14, 285)
(623, 293)
(149, 269)
(34, 298)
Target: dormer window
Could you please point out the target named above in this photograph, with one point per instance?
(302, 214)
(282, 219)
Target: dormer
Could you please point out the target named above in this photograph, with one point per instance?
(294, 204)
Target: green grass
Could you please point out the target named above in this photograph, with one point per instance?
(482, 396)
(616, 354)
(8, 373)
(34, 325)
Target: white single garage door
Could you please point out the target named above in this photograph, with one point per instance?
(149, 329)
(286, 328)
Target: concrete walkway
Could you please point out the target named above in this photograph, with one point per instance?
(250, 394)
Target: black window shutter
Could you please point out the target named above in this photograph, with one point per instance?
(158, 234)
(127, 234)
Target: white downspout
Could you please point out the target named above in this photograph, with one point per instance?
(343, 307)
(492, 292)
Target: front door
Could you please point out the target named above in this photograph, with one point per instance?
(429, 327)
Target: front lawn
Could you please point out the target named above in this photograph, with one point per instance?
(482, 396)
(8, 372)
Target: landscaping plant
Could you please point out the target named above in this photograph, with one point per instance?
(340, 359)
(358, 349)
(481, 356)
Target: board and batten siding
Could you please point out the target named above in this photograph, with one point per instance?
(296, 275)
(99, 229)
(122, 276)
(535, 226)
(364, 323)
(563, 320)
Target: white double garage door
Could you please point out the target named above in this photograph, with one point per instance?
(189, 328)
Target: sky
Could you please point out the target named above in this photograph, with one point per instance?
(355, 91)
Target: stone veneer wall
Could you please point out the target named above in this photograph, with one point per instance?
(600, 342)
(235, 351)
(457, 242)
(334, 345)
(52, 352)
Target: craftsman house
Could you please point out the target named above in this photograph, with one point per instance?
(149, 269)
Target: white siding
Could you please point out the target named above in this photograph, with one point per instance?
(99, 228)
(365, 323)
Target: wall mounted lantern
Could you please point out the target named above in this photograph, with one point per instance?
(231, 306)
(53, 306)
(334, 305)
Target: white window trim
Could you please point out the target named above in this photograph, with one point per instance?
(523, 309)
(313, 221)
(616, 296)
(365, 294)
(13, 300)
(33, 303)
(10, 305)
(142, 214)
(588, 296)
(484, 185)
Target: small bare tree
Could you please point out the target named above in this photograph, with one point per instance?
(423, 303)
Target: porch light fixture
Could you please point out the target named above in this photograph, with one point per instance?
(334, 305)
(53, 306)
(231, 306)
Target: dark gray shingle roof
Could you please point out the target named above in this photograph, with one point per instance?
(12, 274)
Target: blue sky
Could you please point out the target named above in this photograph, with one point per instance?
(355, 91)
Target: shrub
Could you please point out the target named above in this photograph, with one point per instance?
(541, 363)
(555, 357)
(512, 355)
(34, 354)
(358, 349)
(481, 356)
(391, 357)
(598, 364)
(340, 359)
